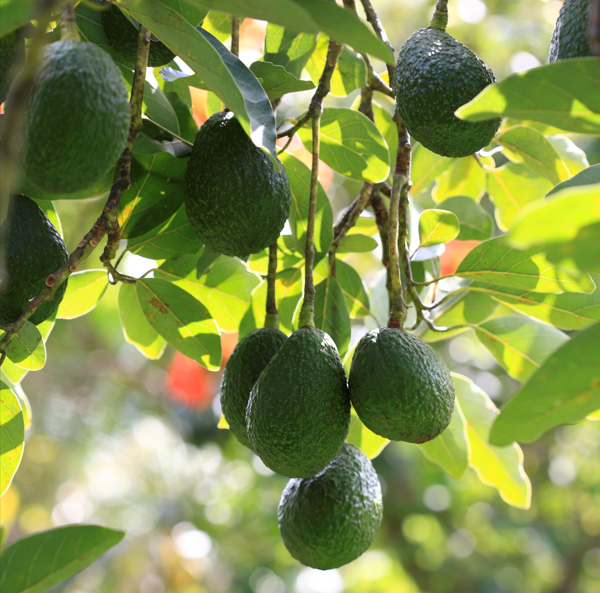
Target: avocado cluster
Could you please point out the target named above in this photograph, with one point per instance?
(570, 37)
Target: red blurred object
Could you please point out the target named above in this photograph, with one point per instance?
(454, 254)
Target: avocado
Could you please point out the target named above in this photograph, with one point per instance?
(235, 199)
(299, 412)
(250, 357)
(332, 518)
(32, 249)
(400, 387)
(570, 38)
(12, 51)
(76, 118)
(435, 74)
(123, 35)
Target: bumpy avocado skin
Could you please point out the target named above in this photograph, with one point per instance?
(123, 38)
(570, 37)
(331, 519)
(400, 387)
(76, 119)
(12, 51)
(435, 74)
(33, 249)
(235, 199)
(299, 410)
(247, 361)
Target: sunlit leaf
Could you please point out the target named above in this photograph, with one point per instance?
(437, 226)
(12, 435)
(277, 81)
(595, 416)
(289, 49)
(464, 177)
(572, 156)
(84, 291)
(475, 223)
(331, 313)
(426, 166)
(357, 299)
(218, 24)
(357, 243)
(360, 436)
(588, 176)
(27, 349)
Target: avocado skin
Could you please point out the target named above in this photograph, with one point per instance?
(570, 36)
(123, 38)
(435, 74)
(249, 358)
(299, 412)
(400, 387)
(12, 51)
(235, 199)
(331, 519)
(76, 119)
(33, 250)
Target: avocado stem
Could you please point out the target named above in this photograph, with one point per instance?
(440, 16)
(68, 24)
(272, 316)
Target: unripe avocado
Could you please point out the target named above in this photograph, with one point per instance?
(570, 38)
(435, 74)
(299, 412)
(400, 387)
(247, 361)
(12, 51)
(32, 250)
(235, 199)
(331, 519)
(76, 118)
(123, 35)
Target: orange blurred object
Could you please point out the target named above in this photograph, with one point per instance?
(454, 254)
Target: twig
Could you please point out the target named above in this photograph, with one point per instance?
(272, 317)
(373, 19)
(235, 35)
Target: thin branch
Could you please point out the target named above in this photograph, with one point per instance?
(373, 19)
(235, 35)
(272, 316)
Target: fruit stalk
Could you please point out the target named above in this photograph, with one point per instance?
(272, 317)
(68, 24)
(440, 16)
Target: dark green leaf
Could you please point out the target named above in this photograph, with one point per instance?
(475, 223)
(286, 48)
(16, 13)
(464, 177)
(12, 435)
(277, 81)
(588, 176)
(357, 243)
(187, 125)
(353, 289)
(27, 349)
(331, 313)
(84, 291)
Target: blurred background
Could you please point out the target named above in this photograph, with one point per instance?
(133, 444)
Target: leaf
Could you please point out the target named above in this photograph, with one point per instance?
(494, 262)
(500, 468)
(360, 436)
(353, 289)
(519, 345)
(48, 207)
(223, 72)
(437, 226)
(331, 313)
(475, 223)
(357, 243)
(277, 81)
(16, 13)
(564, 390)
(573, 157)
(351, 144)
(299, 176)
(426, 166)
(27, 349)
(464, 177)
(450, 450)
(284, 47)
(528, 146)
(181, 320)
(388, 129)
(588, 176)
(12, 436)
(564, 94)
(594, 416)
(218, 24)
(35, 563)
(84, 291)
(511, 188)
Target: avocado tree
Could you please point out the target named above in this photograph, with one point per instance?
(425, 139)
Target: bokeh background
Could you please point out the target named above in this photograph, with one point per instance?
(133, 444)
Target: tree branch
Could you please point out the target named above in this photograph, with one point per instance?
(272, 317)
(235, 35)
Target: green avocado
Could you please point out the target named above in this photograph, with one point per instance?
(32, 249)
(76, 119)
(331, 519)
(435, 74)
(235, 199)
(250, 357)
(570, 38)
(299, 412)
(12, 51)
(123, 35)
(400, 387)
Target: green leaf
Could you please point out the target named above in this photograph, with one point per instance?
(331, 313)
(84, 291)
(360, 436)
(563, 391)
(511, 188)
(181, 320)
(494, 262)
(299, 176)
(136, 329)
(35, 563)
(588, 176)
(284, 47)
(277, 81)
(573, 157)
(218, 24)
(48, 207)
(564, 94)
(500, 468)
(520, 345)
(10, 371)
(475, 223)
(351, 144)
(464, 177)
(450, 450)
(16, 13)
(188, 10)
(426, 166)
(528, 146)
(437, 226)
(595, 416)
(357, 243)
(12, 436)
(223, 72)
(353, 289)
(27, 349)
(388, 129)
